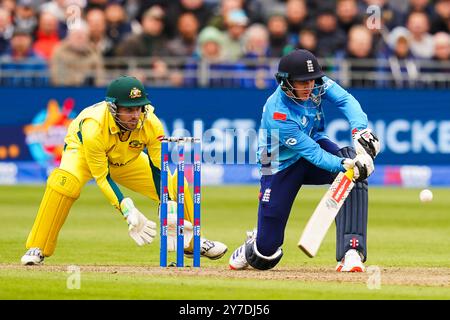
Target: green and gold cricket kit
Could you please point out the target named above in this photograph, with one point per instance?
(96, 148)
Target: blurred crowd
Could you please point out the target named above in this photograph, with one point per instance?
(73, 42)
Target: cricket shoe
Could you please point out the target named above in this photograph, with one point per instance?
(32, 257)
(210, 249)
(352, 262)
(238, 261)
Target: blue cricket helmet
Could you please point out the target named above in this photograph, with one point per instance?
(299, 65)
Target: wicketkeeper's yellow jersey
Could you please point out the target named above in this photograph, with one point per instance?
(95, 134)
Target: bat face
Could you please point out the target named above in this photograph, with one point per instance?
(325, 213)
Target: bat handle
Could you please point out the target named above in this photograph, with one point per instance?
(349, 173)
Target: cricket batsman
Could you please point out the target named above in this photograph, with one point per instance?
(293, 150)
(116, 142)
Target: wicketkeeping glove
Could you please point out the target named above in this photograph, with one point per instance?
(366, 142)
(142, 230)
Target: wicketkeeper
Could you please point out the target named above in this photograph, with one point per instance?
(116, 141)
(293, 150)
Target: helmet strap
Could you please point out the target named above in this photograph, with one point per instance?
(121, 124)
(289, 91)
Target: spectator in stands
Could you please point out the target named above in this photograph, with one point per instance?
(223, 10)
(390, 17)
(185, 43)
(307, 39)
(348, 14)
(236, 24)
(96, 21)
(144, 5)
(297, 18)
(132, 8)
(421, 41)
(437, 75)
(20, 65)
(158, 75)
(139, 74)
(163, 77)
(278, 36)
(259, 11)
(211, 50)
(25, 16)
(330, 38)
(47, 35)
(117, 26)
(8, 5)
(359, 47)
(210, 45)
(256, 48)
(176, 8)
(401, 61)
(57, 8)
(442, 47)
(256, 42)
(96, 4)
(398, 42)
(359, 44)
(151, 42)
(65, 11)
(6, 29)
(75, 62)
(420, 6)
(441, 20)
(315, 6)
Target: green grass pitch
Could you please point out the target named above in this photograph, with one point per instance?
(408, 245)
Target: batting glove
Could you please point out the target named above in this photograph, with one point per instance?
(366, 142)
(140, 229)
(362, 166)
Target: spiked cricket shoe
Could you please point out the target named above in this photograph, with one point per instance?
(238, 260)
(210, 249)
(32, 257)
(352, 262)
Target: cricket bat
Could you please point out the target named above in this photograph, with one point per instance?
(327, 209)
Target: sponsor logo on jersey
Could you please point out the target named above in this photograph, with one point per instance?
(135, 144)
(304, 121)
(117, 164)
(291, 141)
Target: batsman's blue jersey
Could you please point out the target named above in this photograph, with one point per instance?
(290, 129)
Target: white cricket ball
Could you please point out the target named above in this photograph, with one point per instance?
(426, 195)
